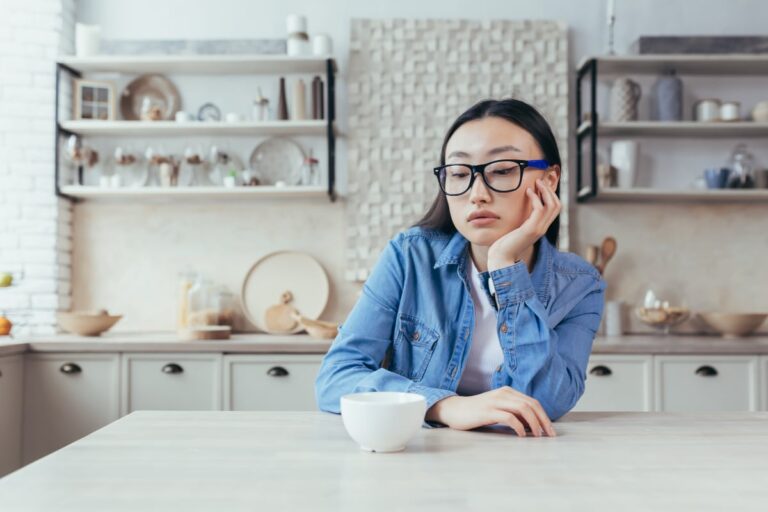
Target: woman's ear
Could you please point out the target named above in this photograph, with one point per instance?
(552, 178)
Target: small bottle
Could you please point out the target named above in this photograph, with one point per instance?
(299, 107)
(282, 103)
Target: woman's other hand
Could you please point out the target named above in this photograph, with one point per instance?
(504, 405)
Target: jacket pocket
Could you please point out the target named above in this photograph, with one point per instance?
(413, 348)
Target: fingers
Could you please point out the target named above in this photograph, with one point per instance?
(544, 420)
(528, 408)
(507, 418)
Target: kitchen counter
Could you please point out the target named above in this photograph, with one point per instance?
(305, 460)
(304, 344)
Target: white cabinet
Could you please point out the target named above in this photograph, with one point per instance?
(706, 383)
(176, 381)
(763, 383)
(618, 383)
(270, 382)
(11, 380)
(67, 396)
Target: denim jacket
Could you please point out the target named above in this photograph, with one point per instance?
(416, 311)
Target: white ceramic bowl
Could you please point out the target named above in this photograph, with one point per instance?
(383, 421)
(733, 325)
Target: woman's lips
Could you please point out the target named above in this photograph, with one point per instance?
(483, 221)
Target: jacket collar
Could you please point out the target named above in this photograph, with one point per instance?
(457, 250)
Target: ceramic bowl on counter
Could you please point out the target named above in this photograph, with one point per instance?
(382, 421)
(733, 325)
(87, 323)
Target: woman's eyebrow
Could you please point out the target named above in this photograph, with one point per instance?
(494, 151)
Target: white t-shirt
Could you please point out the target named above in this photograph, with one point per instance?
(485, 353)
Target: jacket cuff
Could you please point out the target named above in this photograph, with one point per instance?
(512, 285)
(432, 395)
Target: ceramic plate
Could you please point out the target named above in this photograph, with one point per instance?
(275, 273)
(160, 91)
(278, 159)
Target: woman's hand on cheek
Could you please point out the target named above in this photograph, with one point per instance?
(509, 249)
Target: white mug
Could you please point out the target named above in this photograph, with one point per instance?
(706, 110)
(233, 117)
(87, 39)
(624, 159)
(322, 45)
(730, 111)
(182, 117)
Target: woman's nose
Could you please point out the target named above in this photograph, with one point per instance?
(479, 192)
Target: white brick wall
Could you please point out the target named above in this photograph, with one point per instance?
(35, 225)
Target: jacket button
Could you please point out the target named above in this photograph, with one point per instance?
(503, 327)
(416, 336)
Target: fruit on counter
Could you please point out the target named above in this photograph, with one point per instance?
(6, 279)
(5, 326)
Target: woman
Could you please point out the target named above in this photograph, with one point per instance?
(474, 307)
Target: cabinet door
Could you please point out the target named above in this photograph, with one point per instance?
(270, 382)
(706, 383)
(177, 381)
(11, 380)
(618, 383)
(67, 396)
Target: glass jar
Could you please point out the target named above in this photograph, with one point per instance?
(186, 281)
(200, 312)
(224, 306)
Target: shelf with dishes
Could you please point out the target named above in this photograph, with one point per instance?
(671, 115)
(150, 105)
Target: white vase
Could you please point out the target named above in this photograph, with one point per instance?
(624, 160)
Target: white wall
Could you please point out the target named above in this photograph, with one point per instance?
(34, 225)
(712, 254)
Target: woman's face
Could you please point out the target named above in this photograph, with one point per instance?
(484, 140)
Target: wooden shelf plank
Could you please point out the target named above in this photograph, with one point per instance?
(687, 64)
(679, 129)
(198, 64)
(172, 128)
(180, 193)
(660, 195)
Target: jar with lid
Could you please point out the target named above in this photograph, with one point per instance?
(224, 306)
(200, 312)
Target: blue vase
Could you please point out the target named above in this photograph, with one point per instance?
(667, 95)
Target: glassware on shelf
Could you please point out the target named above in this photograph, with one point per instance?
(309, 175)
(186, 281)
(162, 168)
(662, 309)
(192, 172)
(222, 161)
(742, 168)
(84, 160)
(128, 168)
(224, 306)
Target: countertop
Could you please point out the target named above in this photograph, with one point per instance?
(153, 460)
(304, 344)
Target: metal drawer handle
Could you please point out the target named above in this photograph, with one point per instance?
(277, 371)
(70, 368)
(601, 371)
(706, 371)
(172, 368)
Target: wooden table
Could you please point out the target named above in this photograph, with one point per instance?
(232, 461)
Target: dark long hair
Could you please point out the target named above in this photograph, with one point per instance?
(518, 112)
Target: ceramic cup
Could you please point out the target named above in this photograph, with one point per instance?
(717, 178)
(624, 160)
(182, 117)
(383, 421)
(730, 111)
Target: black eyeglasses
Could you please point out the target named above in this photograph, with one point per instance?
(499, 175)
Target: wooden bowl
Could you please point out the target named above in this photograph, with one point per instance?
(733, 325)
(87, 323)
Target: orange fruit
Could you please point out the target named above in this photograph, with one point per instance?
(5, 326)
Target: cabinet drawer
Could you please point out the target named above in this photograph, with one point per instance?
(175, 381)
(270, 383)
(706, 383)
(618, 383)
(67, 396)
(11, 375)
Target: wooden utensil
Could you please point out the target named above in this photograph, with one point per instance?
(591, 254)
(280, 317)
(317, 328)
(607, 250)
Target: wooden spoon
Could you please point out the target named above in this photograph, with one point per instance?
(607, 250)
